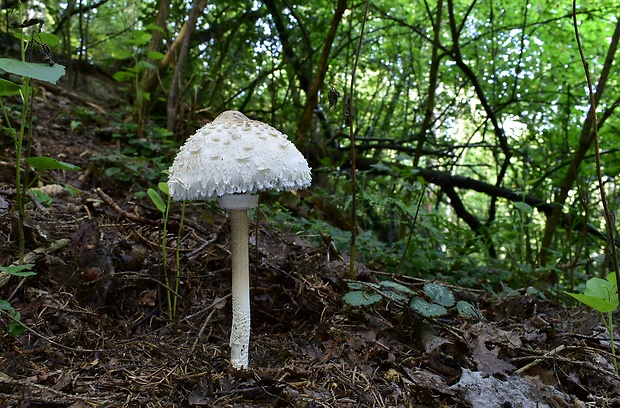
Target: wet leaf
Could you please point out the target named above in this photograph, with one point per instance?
(466, 309)
(439, 294)
(427, 309)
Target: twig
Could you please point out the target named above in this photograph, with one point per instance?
(133, 217)
(540, 360)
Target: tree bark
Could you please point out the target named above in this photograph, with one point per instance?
(174, 93)
(149, 79)
(585, 141)
(432, 86)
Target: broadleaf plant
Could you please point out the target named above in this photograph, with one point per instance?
(602, 295)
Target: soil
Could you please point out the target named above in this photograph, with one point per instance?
(96, 323)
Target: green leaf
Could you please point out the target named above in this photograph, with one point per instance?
(4, 305)
(122, 54)
(75, 124)
(523, 207)
(361, 298)
(397, 286)
(14, 328)
(427, 309)
(602, 289)
(122, 76)
(42, 72)
(155, 55)
(18, 270)
(466, 309)
(142, 65)
(596, 303)
(157, 200)
(163, 187)
(154, 27)
(439, 294)
(47, 163)
(8, 88)
(41, 197)
(49, 39)
(141, 37)
(112, 171)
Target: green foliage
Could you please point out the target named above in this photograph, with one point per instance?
(18, 270)
(49, 163)
(14, 328)
(361, 298)
(41, 72)
(172, 283)
(440, 298)
(28, 71)
(602, 295)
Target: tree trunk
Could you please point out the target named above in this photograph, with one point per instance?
(149, 81)
(432, 87)
(312, 96)
(174, 93)
(585, 141)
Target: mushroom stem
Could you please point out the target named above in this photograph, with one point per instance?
(238, 205)
(240, 333)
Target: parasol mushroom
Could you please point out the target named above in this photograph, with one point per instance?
(233, 158)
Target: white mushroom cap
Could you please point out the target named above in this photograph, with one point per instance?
(236, 155)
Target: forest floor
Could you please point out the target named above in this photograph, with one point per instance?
(97, 331)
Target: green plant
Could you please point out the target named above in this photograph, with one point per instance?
(164, 207)
(13, 327)
(436, 302)
(602, 295)
(28, 71)
(133, 74)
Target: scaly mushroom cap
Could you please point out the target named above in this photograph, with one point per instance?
(235, 155)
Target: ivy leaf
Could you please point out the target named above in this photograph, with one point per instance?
(361, 298)
(427, 309)
(467, 310)
(397, 286)
(439, 294)
(42, 72)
